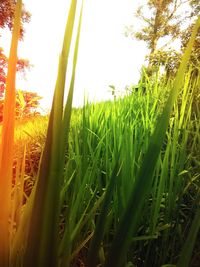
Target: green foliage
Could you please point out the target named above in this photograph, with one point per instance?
(131, 217)
(165, 19)
(195, 58)
(186, 252)
(117, 183)
(43, 231)
(107, 143)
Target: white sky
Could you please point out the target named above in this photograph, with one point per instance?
(105, 57)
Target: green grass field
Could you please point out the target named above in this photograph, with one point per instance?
(109, 133)
(113, 184)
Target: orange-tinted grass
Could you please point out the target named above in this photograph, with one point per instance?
(7, 141)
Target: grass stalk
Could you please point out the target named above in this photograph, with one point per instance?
(7, 142)
(42, 244)
(133, 211)
(187, 249)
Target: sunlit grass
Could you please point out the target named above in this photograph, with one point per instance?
(111, 184)
(94, 145)
(7, 141)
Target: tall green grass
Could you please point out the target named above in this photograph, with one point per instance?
(118, 185)
(107, 146)
(131, 217)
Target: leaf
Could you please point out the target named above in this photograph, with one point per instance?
(7, 142)
(133, 211)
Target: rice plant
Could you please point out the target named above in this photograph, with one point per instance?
(110, 184)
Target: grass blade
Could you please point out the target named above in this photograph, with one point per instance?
(133, 211)
(43, 234)
(6, 149)
(99, 230)
(68, 106)
(186, 252)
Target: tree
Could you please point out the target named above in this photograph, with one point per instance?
(26, 102)
(7, 9)
(22, 66)
(164, 19)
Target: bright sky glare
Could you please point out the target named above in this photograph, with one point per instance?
(105, 57)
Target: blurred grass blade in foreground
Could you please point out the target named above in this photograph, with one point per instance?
(42, 243)
(7, 142)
